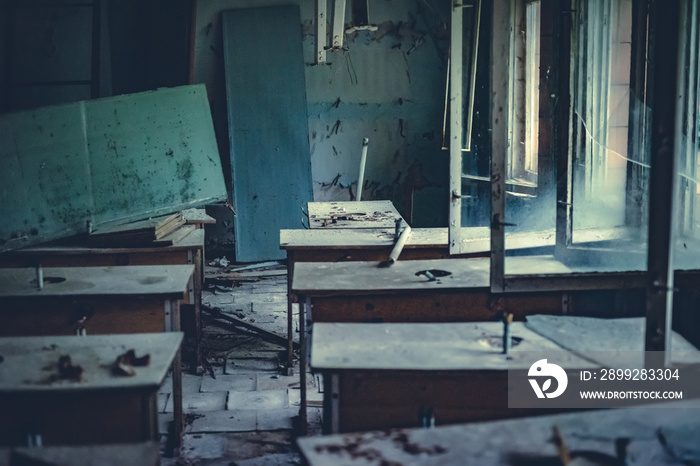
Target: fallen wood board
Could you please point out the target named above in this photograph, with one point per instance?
(248, 275)
(197, 217)
(260, 265)
(178, 235)
(181, 231)
(268, 126)
(124, 158)
(217, 317)
(150, 226)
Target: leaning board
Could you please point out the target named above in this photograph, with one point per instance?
(268, 126)
(118, 158)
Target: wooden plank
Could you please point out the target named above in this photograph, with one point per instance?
(362, 214)
(135, 454)
(268, 127)
(226, 321)
(179, 234)
(166, 281)
(504, 442)
(73, 151)
(197, 217)
(172, 234)
(148, 226)
(25, 360)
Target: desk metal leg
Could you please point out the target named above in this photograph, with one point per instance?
(303, 307)
(290, 314)
(198, 283)
(179, 419)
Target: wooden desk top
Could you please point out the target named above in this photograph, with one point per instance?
(477, 345)
(29, 362)
(519, 441)
(363, 214)
(362, 278)
(423, 346)
(168, 281)
(194, 240)
(133, 454)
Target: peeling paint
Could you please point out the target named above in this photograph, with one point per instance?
(388, 85)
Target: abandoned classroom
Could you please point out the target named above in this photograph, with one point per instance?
(349, 232)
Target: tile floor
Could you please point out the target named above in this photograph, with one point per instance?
(242, 409)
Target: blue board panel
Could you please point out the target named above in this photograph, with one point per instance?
(125, 157)
(268, 126)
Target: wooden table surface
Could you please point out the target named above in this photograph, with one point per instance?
(194, 240)
(350, 214)
(477, 345)
(167, 281)
(347, 278)
(28, 362)
(526, 441)
(132, 454)
(428, 346)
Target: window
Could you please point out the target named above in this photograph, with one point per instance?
(688, 136)
(570, 128)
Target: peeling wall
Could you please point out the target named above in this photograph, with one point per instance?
(388, 85)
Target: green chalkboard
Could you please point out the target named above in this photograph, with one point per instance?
(125, 157)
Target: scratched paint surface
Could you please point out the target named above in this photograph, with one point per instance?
(130, 157)
(268, 128)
